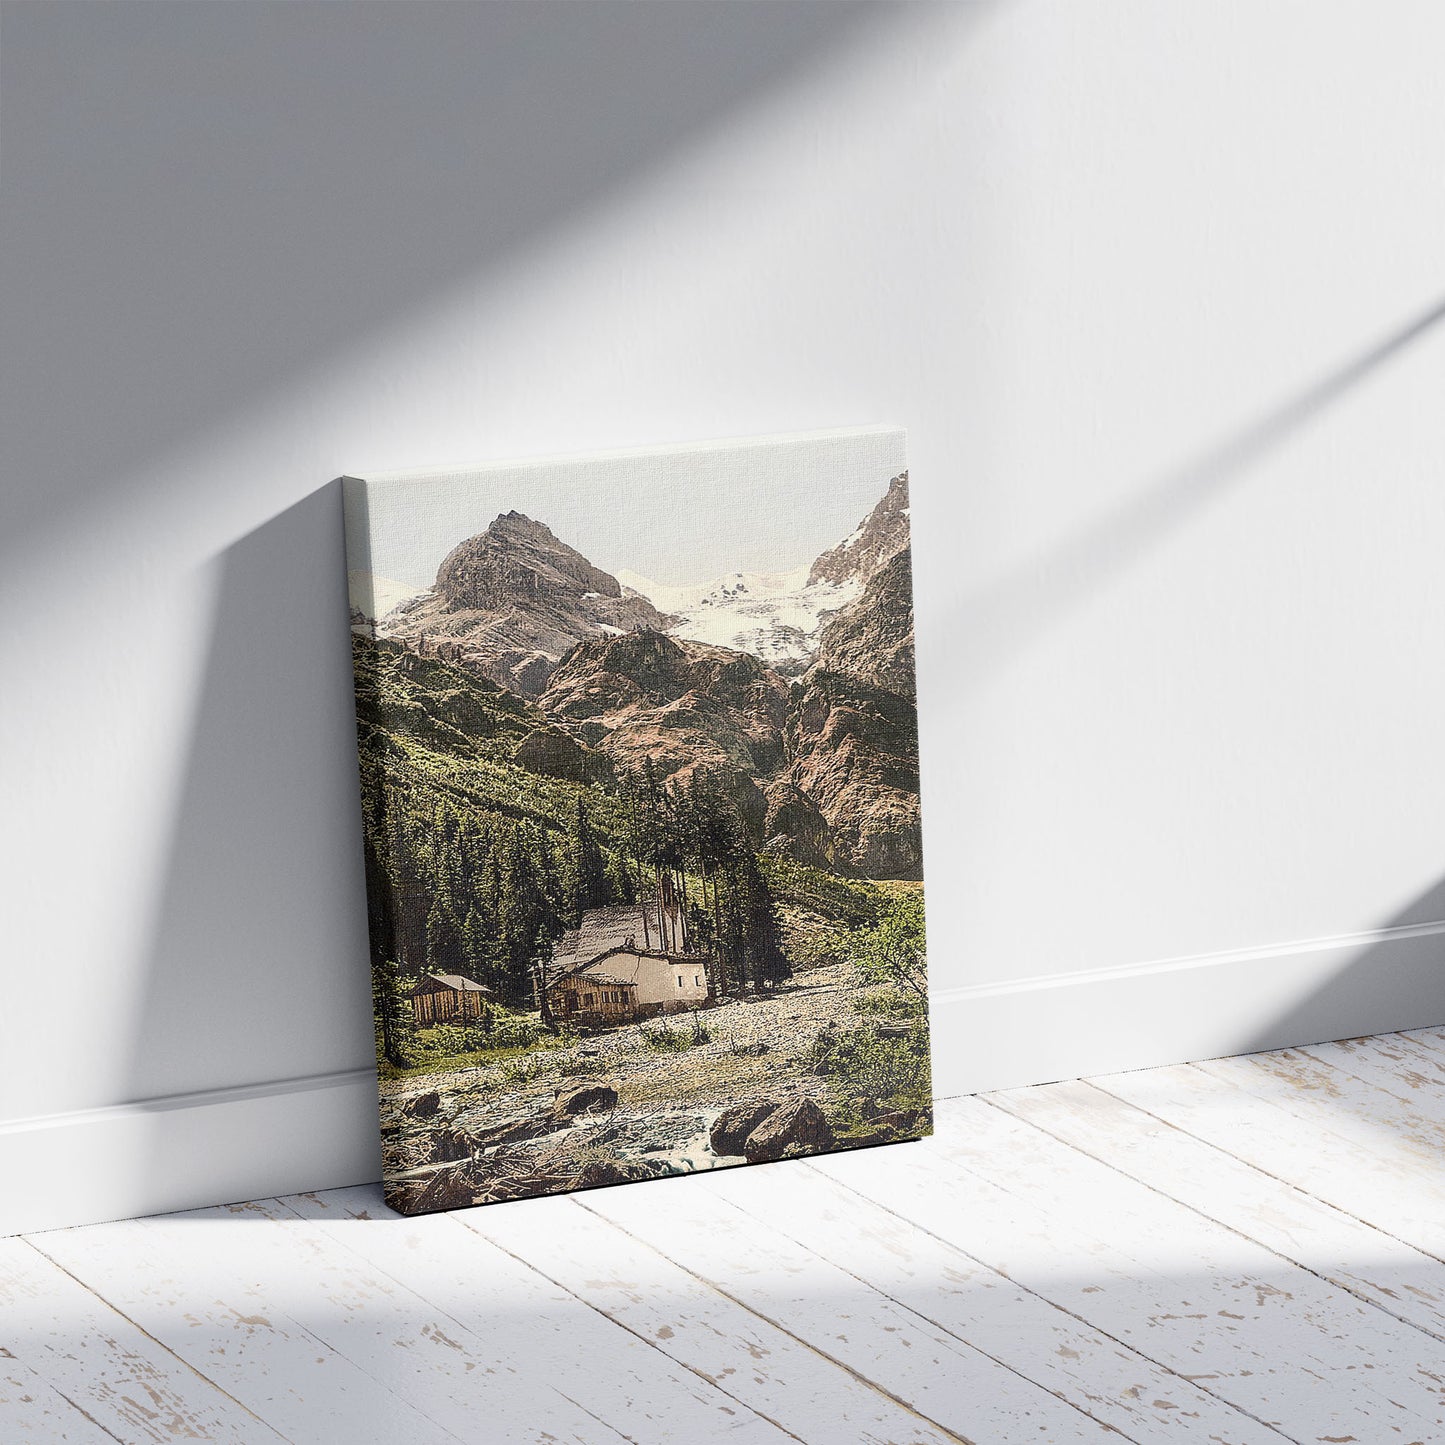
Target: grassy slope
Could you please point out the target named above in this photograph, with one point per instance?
(433, 729)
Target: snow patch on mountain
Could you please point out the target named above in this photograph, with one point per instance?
(375, 596)
(775, 616)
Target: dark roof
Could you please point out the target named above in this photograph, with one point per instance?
(603, 931)
(453, 981)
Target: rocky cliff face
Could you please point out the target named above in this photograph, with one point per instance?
(882, 535)
(852, 738)
(684, 705)
(872, 638)
(825, 769)
(517, 561)
(512, 601)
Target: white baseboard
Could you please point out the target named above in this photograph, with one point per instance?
(1069, 1026)
(188, 1151)
(193, 1150)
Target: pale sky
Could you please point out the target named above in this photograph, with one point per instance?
(675, 514)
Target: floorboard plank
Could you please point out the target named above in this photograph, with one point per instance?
(782, 1378)
(951, 1289)
(1415, 1060)
(460, 1380)
(1274, 1340)
(1310, 1138)
(238, 1300)
(1412, 1076)
(1431, 1039)
(948, 1381)
(34, 1412)
(1374, 1267)
(628, 1382)
(127, 1382)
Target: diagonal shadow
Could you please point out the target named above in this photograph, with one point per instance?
(1009, 615)
(202, 201)
(258, 943)
(1378, 988)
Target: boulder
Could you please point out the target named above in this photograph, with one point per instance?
(450, 1145)
(792, 1129)
(904, 1124)
(618, 1171)
(424, 1105)
(511, 1131)
(451, 1186)
(594, 1097)
(731, 1128)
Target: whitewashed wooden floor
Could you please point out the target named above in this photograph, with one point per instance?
(1247, 1251)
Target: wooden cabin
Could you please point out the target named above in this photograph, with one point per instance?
(592, 999)
(446, 998)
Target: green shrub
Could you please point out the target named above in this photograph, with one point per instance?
(445, 1040)
(893, 949)
(582, 1068)
(662, 1039)
(522, 1072)
(890, 1006)
(872, 1072)
(518, 1031)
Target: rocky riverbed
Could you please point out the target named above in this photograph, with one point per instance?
(612, 1108)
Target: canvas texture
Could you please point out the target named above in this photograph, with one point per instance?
(639, 766)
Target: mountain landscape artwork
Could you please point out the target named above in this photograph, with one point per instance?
(639, 771)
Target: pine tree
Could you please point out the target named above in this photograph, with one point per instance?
(619, 881)
(479, 946)
(394, 1025)
(766, 963)
(521, 913)
(444, 944)
(584, 874)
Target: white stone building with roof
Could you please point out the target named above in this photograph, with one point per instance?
(627, 961)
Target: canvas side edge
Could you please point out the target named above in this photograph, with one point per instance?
(320, 1133)
(622, 453)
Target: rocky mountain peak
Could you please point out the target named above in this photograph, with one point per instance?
(518, 561)
(513, 600)
(880, 537)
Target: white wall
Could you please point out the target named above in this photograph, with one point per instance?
(1153, 286)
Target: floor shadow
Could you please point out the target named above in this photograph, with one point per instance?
(202, 200)
(257, 967)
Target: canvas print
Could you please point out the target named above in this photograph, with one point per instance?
(639, 765)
